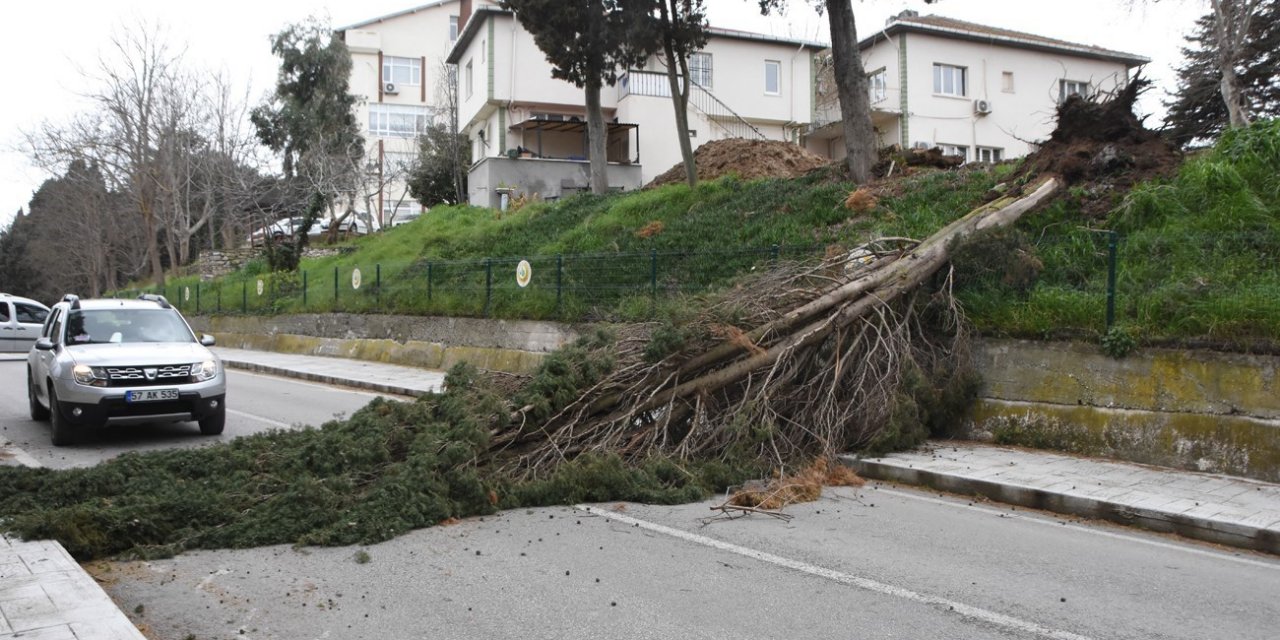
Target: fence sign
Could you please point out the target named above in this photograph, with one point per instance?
(260, 286)
(355, 278)
(186, 294)
(524, 273)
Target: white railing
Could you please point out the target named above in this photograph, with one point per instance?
(653, 84)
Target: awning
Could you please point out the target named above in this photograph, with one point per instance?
(567, 126)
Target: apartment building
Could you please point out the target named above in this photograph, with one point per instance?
(982, 92)
(528, 130)
(399, 74)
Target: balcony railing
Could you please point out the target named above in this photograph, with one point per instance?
(652, 84)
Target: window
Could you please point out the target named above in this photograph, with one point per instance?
(398, 161)
(772, 77)
(878, 85)
(954, 150)
(990, 154)
(949, 80)
(470, 80)
(28, 314)
(1068, 88)
(398, 120)
(402, 71)
(453, 28)
(700, 69)
(1006, 82)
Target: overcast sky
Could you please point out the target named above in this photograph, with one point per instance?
(47, 42)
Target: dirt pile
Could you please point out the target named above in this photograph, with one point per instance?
(749, 159)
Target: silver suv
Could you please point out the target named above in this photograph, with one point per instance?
(100, 362)
(20, 322)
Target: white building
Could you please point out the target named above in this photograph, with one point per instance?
(398, 73)
(973, 90)
(528, 130)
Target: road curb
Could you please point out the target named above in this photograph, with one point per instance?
(321, 378)
(58, 598)
(9, 449)
(1225, 533)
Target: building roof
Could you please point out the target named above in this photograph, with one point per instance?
(477, 17)
(397, 14)
(958, 29)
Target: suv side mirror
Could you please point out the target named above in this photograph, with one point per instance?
(44, 344)
(207, 340)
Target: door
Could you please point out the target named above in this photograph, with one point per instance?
(8, 328)
(28, 321)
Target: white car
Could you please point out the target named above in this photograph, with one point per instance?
(20, 322)
(101, 362)
(277, 231)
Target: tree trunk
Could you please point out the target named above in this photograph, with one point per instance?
(596, 140)
(679, 98)
(1231, 26)
(851, 85)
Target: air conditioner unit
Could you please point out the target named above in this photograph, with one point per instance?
(390, 88)
(981, 107)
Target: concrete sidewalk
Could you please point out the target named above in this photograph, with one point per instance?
(360, 374)
(1222, 509)
(45, 595)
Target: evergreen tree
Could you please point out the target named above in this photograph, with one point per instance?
(1197, 111)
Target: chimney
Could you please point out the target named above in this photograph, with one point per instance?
(464, 13)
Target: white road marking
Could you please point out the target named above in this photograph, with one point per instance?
(274, 423)
(1057, 524)
(968, 611)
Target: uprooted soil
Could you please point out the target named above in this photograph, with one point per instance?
(1104, 148)
(748, 159)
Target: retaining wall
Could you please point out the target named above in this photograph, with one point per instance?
(1195, 410)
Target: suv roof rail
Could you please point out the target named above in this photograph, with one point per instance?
(73, 299)
(157, 298)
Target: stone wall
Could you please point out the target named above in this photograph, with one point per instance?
(1197, 410)
(217, 263)
(514, 346)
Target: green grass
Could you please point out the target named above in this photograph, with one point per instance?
(589, 255)
(1196, 258)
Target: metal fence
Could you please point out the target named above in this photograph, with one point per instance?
(569, 286)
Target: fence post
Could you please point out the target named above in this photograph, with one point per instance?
(377, 285)
(773, 254)
(197, 297)
(304, 289)
(488, 285)
(1112, 242)
(335, 288)
(244, 297)
(219, 297)
(559, 285)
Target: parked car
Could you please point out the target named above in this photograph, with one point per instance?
(405, 218)
(103, 362)
(352, 225)
(20, 322)
(277, 231)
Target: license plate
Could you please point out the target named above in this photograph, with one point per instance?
(151, 395)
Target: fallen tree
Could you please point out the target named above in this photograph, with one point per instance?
(828, 358)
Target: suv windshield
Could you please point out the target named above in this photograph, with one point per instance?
(99, 326)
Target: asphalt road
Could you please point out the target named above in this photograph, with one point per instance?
(254, 403)
(875, 562)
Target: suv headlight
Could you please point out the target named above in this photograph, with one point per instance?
(91, 376)
(202, 371)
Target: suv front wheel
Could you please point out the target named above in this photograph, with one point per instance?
(213, 424)
(59, 428)
(39, 412)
